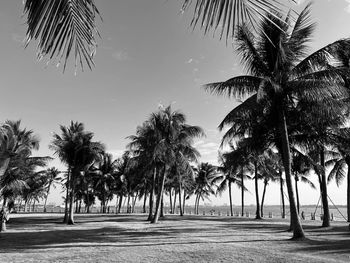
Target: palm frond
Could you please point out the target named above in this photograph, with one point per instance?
(62, 28)
(228, 14)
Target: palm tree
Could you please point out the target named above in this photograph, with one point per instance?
(76, 149)
(280, 74)
(52, 178)
(205, 182)
(174, 145)
(228, 175)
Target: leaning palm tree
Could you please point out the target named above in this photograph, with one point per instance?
(279, 73)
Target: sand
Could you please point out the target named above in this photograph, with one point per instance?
(129, 238)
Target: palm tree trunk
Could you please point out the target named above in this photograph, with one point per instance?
(65, 219)
(180, 201)
(144, 203)
(199, 197)
(3, 216)
(183, 202)
(134, 202)
(162, 207)
(326, 216)
(257, 213)
(282, 196)
(242, 193)
(128, 205)
(348, 190)
(159, 197)
(296, 178)
(298, 232)
(263, 198)
(151, 197)
(87, 202)
(71, 199)
(171, 200)
(230, 196)
(120, 203)
(174, 205)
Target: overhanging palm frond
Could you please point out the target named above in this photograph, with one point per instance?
(235, 87)
(228, 14)
(63, 27)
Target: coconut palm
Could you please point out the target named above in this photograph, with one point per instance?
(280, 73)
(205, 182)
(228, 175)
(174, 145)
(76, 149)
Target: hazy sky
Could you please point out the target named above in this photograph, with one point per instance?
(148, 55)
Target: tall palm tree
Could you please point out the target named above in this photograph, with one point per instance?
(174, 145)
(76, 149)
(280, 73)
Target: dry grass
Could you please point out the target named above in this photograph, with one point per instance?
(124, 238)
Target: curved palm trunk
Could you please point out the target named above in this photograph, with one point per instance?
(263, 198)
(282, 196)
(230, 196)
(159, 197)
(242, 194)
(296, 178)
(326, 216)
(298, 232)
(257, 213)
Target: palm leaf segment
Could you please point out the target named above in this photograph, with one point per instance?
(63, 27)
(228, 14)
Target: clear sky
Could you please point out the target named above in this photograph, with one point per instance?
(148, 55)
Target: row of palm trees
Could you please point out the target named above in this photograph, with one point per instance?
(295, 102)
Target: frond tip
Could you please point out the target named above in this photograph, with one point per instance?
(63, 27)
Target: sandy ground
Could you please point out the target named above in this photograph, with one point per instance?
(129, 238)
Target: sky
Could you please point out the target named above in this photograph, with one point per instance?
(147, 55)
